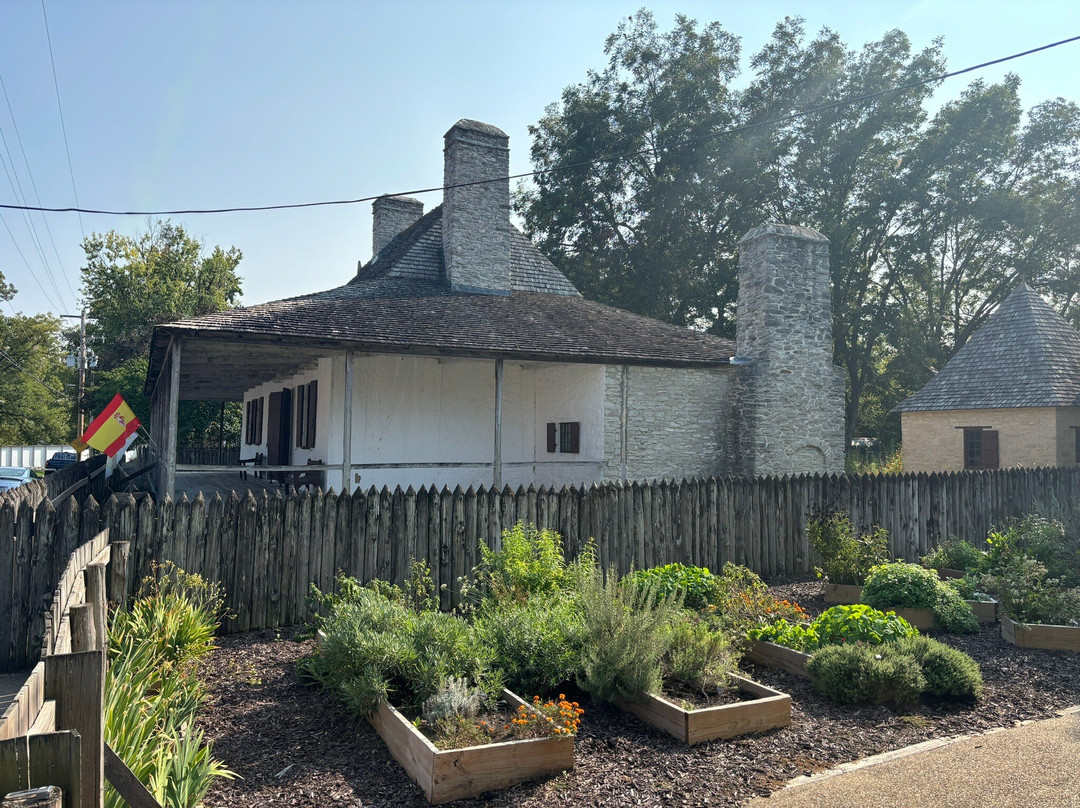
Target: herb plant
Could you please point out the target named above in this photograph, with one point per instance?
(955, 554)
(846, 558)
(900, 586)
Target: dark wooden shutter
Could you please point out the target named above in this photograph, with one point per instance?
(551, 430)
(301, 417)
(989, 449)
(247, 424)
(573, 443)
(312, 412)
(260, 406)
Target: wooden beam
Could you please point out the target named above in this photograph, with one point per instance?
(496, 477)
(127, 785)
(168, 449)
(346, 432)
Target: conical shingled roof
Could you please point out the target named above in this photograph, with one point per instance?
(1024, 355)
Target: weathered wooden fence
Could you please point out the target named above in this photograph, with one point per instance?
(266, 551)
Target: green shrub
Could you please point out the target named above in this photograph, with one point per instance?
(846, 558)
(529, 562)
(625, 629)
(966, 587)
(900, 586)
(955, 554)
(860, 623)
(790, 635)
(743, 601)
(152, 694)
(1044, 540)
(1027, 594)
(949, 673)
(855, 673)
(698, 587)
(952, 614)
(697, 655)
(537, 644)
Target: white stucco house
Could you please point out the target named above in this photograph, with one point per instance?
(459, 355)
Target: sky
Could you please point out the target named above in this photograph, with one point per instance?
(222, 104)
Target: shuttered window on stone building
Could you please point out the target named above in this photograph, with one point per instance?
(980, 448)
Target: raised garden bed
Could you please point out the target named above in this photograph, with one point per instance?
(769, 710)
(452, 774)
(777, 656)
(1039, 635)
(842, 594)
(986, 611)
(922, 619)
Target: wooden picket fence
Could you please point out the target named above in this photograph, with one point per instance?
(266, 551)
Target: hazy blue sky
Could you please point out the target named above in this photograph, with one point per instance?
(216, 104)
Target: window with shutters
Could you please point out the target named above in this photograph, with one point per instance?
(253, 417)
(306, 403)
(980, 448)
(564, 437)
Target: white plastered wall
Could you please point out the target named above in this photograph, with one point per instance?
(321, 373)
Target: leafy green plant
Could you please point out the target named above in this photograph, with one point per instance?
(966, 587)
(900, 586)
(698, 587)
(152, 694)
(860, 623)
(625, 629)
(537, 644)
(846, 558)
(744, 600)
(955, 554)
(790, 635)
(952, 614)
(1041, 539)
(529, 562)
(1028, 595)
(697, 655)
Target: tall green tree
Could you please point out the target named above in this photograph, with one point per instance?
(131, 284)
(34, 405)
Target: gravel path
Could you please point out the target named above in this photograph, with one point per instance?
(295, 745)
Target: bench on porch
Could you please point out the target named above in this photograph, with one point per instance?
(258, 460)
(298, 479)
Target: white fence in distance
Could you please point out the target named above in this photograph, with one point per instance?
(29, 456)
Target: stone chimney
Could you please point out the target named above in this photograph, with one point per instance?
(789, 400)
(476, 218)
(392, 215)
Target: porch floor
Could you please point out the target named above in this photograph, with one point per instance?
(224, 483)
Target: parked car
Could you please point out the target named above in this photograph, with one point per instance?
(14, 476)
(60, 460)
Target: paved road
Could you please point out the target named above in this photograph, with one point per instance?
(1035, 765)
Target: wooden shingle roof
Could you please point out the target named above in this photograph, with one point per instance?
(400, 302)
(1024, 355)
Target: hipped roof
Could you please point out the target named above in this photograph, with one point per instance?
(1024, 355)
(400, 302)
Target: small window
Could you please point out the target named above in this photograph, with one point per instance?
(306, 398)
(564, 437)
(980, 448)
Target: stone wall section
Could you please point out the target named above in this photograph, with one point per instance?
(789, 397)
(476, 218)
(391, 215)
(677, 422)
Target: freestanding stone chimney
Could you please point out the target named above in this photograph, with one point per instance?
(789, 400)
(392, 215)
(476, 218)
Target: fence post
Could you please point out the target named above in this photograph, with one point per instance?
(118, 572)
(76, 682)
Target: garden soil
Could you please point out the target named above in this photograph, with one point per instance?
(296, 745)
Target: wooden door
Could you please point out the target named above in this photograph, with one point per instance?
(279, 431)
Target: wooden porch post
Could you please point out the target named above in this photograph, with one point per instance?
(497, 470)
(346, 432)
(168, 448)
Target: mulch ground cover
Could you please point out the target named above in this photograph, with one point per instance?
(295, 745)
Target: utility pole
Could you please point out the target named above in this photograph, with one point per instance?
(80, 416)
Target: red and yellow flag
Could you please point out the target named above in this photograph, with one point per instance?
(109, 432)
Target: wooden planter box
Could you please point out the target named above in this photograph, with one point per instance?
(1038, 635)
(454, 774)
(945, 573)
(770, 710)
(778, 656)
(985, 610)
(842, 594)
(922, 619)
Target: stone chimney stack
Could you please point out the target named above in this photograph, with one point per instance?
(392, 215)
(789, 401)
(476, 218)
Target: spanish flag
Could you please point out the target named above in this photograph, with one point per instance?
(110, 431)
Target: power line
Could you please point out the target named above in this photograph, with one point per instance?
(569, 167)
(33, 184)
(59, 106)
(28, 374)
(28, 267)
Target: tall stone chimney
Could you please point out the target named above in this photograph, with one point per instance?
(392, 215)
(789, 400)
(476, 218)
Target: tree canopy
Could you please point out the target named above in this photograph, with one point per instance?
(655, 166)
(131, 284)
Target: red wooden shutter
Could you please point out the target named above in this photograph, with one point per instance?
(573, 443)
(990, 449)
(551, 447)
(312, 411)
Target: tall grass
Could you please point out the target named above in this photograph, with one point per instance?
(152, 692)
